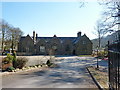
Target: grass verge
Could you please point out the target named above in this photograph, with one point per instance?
(100, 76)
(85, 56)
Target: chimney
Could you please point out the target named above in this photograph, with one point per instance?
(79, 34)
(54, 36)
(34, 38)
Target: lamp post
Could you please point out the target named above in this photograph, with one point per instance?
(97, 58)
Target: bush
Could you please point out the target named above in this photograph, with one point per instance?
(10, 69)
(10, 57)
(5, 66)
(7, 62)
(49, 63)
(102, 54)
(7, 59)
(21, 62)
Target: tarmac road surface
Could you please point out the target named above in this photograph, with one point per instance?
(70, 73)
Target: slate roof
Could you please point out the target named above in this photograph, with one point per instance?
(74, 40)
(22, 38)
(62, 39)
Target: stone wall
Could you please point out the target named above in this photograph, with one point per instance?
(35, 60)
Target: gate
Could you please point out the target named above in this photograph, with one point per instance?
(114, 65)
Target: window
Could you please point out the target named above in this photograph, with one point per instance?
(67, 48)
(27, 49)
(42, 48)
(84, 42)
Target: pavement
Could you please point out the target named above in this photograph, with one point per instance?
(70, 73)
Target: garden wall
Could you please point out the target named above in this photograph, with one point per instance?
(35, 60)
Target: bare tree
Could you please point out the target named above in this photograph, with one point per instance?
(100, 31)
(110, 13)
(4, 28)
(10, 35)
(14, 34)
(109, 20)
(83, 3)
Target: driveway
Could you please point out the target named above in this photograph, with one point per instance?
(70, 73)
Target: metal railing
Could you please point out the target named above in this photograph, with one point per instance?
(114, 65)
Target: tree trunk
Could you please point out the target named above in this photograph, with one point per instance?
(99, 42)
(3, 41)
(12, 44)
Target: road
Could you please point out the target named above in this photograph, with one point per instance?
(70, 73)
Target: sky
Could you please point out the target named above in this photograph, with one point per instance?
(64, 19)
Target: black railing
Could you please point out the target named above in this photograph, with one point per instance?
(114, 65)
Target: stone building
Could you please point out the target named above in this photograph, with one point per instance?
(80, 45)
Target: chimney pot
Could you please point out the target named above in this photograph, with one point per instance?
(79, 34)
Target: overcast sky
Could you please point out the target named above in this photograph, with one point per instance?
(64, 19)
